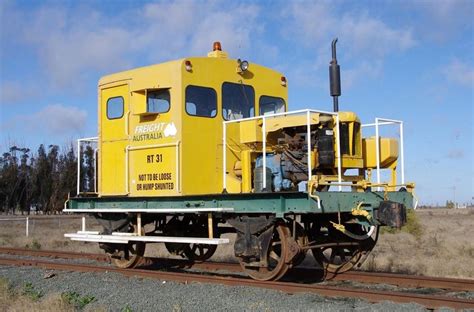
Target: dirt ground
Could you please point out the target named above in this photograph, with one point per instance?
(445, 246)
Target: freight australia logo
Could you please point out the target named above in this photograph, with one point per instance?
(154, 131)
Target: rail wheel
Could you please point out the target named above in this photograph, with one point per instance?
(189, 227)
(302, 240)
(344, 253)
(129, 255)
(338, 259)
(199, 252)
(276, 255)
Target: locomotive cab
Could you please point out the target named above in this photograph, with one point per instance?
(160, 127)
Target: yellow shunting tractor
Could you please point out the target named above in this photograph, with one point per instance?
(192, 144)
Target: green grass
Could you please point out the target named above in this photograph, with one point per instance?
(126, 308)
(76, 299)
(30, 291)
(34, 245)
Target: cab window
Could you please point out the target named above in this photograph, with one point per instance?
(271, 105)
(158, 101)
(115, 107)
(201, 101)
(238, 101)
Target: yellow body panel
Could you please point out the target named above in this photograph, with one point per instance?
(354, 158)
(172, 153)
(388, 152)
(190, 160)
(113, 141)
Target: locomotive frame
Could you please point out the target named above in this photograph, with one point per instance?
(275, 229)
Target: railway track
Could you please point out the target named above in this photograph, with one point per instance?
(430, 301)
(358, 276)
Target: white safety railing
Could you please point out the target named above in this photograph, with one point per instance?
(32, 220)
(79, 143)
(384, 122)
(26, 220)
(264, 118)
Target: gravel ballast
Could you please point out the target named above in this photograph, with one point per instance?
(115, 292)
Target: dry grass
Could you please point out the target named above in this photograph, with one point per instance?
(13, 300)
(46, 232)
(444, 247)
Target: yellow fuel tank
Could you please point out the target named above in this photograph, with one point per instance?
(388, 152)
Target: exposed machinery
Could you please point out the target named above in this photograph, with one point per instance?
(195, 148)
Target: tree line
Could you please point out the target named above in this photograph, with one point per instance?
(42, 181)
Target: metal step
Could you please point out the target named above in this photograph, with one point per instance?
(150, 210)
(124, 238)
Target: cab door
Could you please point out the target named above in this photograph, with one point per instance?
(114, 113)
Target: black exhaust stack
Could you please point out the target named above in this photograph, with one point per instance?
(334, 77)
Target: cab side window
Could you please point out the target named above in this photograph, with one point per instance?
(115, 107)
(238, 101)
(271, 105)
(201, 101)
(158, 101)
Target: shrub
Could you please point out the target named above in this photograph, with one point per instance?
(127, 308)
(30, 291)
(413, 226)
(6, 292)
(77, 300)
(34, 245)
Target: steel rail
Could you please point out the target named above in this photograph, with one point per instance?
(432, 302)
(360, 276)
(405, 280)
(415, 281)
(54, 254)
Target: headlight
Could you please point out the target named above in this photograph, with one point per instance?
(243, 66)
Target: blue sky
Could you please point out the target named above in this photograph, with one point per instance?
(408, 60)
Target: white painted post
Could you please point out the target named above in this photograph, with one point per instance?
(402, 160)
(83, 223)
(224, 154)
(78, 166)
(377, 151)
(27, 226)
(339, 161)
(308, 142)
(95, 170)
(264, 137)
(139, 224)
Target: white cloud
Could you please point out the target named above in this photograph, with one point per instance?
(359, 32)
(459, 73)
(442, 20)
(362, 71)
(455, 154)
(365, 40)
(12, 92)
(69, 45)
(73, 42)
(59, 118)
(55, 119)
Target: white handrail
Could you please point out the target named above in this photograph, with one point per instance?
(224, 155)
(384, 122)
(308, 113)
(264, 165)
(308, 142)
(79, 141)
(338, 144)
